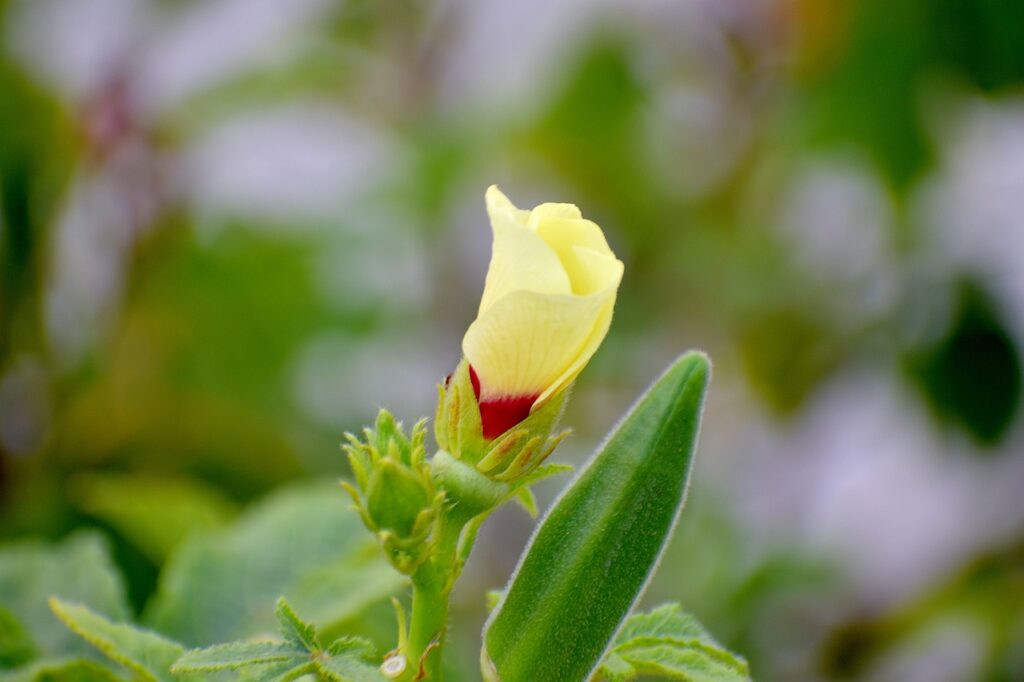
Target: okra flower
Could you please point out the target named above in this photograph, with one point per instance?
(546, 307)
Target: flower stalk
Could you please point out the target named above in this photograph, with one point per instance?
(546, 307)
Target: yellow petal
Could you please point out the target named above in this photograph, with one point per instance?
(606, 273)
(569, 238)
(551, 210)
(520, 259)
(547, 302)
(500, 209)
(526, 341)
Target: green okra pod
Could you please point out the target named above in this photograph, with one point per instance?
(596, 548)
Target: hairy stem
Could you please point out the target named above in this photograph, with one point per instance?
(431, 587)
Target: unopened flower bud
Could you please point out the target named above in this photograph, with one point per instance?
(394, 491)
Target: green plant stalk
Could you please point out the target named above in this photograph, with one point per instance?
(469, 495)
(431, 589)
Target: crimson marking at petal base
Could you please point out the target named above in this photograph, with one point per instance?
(499, 415)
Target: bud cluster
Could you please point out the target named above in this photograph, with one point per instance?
(394, 491)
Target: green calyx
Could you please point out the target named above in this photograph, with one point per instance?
(468, 492)
(394, 492)
(507, 459)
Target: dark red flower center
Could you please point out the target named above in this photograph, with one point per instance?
(498, 415)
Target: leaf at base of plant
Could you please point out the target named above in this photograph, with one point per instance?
(145, 653)
(669, 643)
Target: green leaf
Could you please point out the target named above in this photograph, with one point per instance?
(302, 542)
(971, 378)
(235, 655)
(347, 662)
(278, 672)
(154, 513)
(669, 643)
(344, 661)
(668, 620)
(62, 670)
(16, 645)
(77, 569)
(145, 653)
(597, 546)
(297, 633)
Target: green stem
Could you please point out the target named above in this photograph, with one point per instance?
(431, 587)
(470, 495)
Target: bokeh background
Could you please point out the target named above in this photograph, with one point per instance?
(230, 230)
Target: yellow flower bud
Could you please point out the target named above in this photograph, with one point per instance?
(546, 307)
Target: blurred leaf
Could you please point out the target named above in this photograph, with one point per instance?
(37, 150)
(343, 588)
(78, 568)
(971, 378)
(987, 591)
(155, 513)
(982, 38)
(785, 354)
(590, 134)
(16, 645)
(63, 670)
(148, 655)
(222, 585)
(197, 376)
(669, 643)
(868, 95)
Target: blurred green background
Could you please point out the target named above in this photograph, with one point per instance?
(230, 230)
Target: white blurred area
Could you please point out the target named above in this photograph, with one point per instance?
(862, 476)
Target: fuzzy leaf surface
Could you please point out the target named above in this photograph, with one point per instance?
(297, 633)
(235, 655)
(148, 655)
(347, 661)
(669, 643)
(598, 545)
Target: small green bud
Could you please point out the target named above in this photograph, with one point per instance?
(394, 491)
(395, 497)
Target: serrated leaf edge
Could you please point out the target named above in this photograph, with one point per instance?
(108, 648)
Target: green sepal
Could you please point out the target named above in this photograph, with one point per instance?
(457, 428)
(395, 497)
(597, 546)
(467, 491)
(510, 456)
